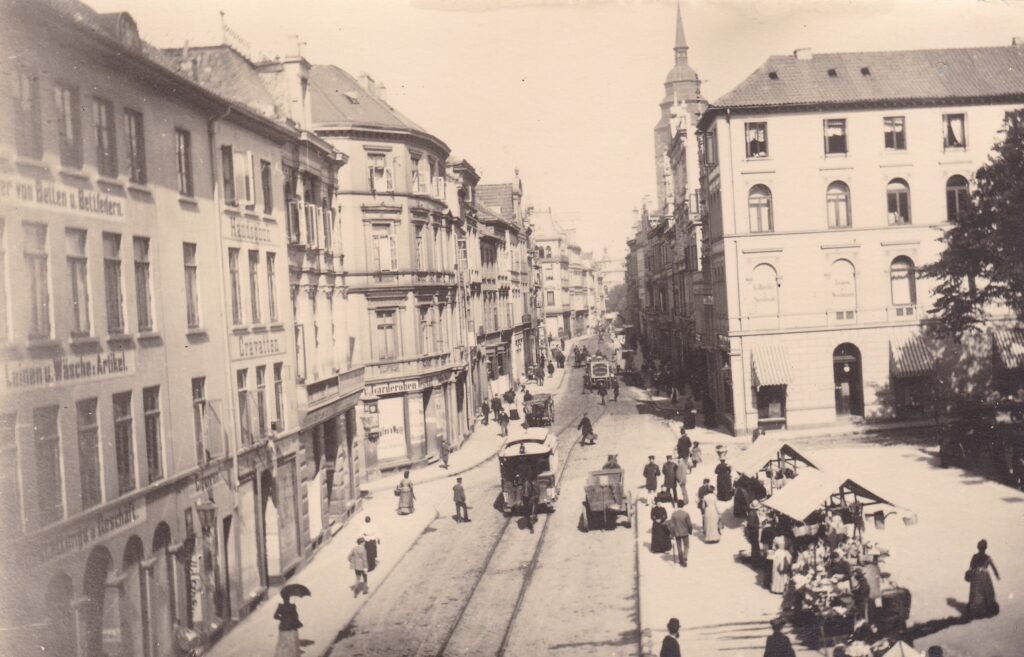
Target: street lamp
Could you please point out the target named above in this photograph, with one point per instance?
(207, 515)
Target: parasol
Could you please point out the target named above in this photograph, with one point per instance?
(295, 591)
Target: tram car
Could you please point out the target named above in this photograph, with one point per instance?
(600, 372)
(529, 460)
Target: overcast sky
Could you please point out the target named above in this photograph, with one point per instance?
(565, 90)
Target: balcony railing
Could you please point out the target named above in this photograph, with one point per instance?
(385, 279)
(408, 367)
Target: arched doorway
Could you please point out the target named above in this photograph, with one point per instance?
(161, 594)
(134, 612)
(59, 638)
(100, 612)
(846, 368)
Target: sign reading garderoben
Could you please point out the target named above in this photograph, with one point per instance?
(84, 533)
(21, 375)
(43, 194)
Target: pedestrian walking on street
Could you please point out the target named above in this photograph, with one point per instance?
(503, 422)
(651, 474)
(668, 470)
(370, 541)
(586, 430)
(682, 472)
(357, 560)
(446, 450)
(670, 644)
(683, 445)
(782, 564)
(406, 495)
(680, 526)
(711, 516)
(661, 540)
(496, 406)
(530, 502)
(461, 510)
(695, 454)
(981, 603)
(704, 489)
(723, 471)
(287, 629)
(485, 410)
(551, 367)
(601, 390)
(615, 389)
(778, 645)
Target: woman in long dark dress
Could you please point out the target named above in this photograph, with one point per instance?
(661, 541)
(981, 602)
(723, 472)
(287, 629)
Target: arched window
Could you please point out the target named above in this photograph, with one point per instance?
(759, 202)
(765, 290)
(958, 197)
(903, 282)
(838, 203)
(897, 194)
(843, 289)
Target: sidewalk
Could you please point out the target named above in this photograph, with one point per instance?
(332, 606)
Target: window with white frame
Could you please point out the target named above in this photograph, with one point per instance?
(261, 400)
(78, 275)
(279, 394)
(414, 169)
(384, 250)
(191, 284)
(124, 442)
(759, 206)
(381, 177)
(106, 140)
(151, 423)
(254, 286)
(895, 133)
(135, 138)
(421, 253)
(897, 194)
(112, 282)
(91, 484)
(183, 158)
(143, 284)
(272, 287)
(954, 131)
(236, 286)
(385, 343)
(35, 255)
(837, 201)
(227, 169)
(757, 139)
(835, 137)
(69, 125)
(903, 284)
(958, 197)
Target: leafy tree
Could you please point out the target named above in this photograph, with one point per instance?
(616, 300)
(982, 265)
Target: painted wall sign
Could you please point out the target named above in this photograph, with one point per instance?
(21, 375)
(47, 195)
(249, 230)
(261, 344)
(85, 533)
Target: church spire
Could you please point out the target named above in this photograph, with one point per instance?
(680, 46)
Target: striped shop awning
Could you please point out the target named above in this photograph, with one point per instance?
(769, 366)
(1009, 343)
(910, 357)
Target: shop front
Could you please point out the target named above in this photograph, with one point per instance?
(770, 376)
(406, 421)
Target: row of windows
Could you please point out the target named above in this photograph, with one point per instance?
(433, 332)
(836, 141)
(48, 503)
(68, 112)
(254, 412)
(35, 257)
(428, 174)
(839, 209)
(765, 286)
(255, 305)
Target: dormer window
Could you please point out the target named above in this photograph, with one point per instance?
(865, 71)
(832, 73)
(772, 75)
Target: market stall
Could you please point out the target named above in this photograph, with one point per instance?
(835, 576)
(764, 468)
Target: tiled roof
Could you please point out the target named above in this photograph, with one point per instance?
(226, 72)
(884, 76)
(911, 357)
(770, 366)
(498, 198)
(338, 100)
(1009, 344)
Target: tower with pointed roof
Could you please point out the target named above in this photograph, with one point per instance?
(680, 108)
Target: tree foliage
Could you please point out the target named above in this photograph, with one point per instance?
(616, 300)
(982, 265)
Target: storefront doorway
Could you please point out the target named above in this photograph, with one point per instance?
(849, 387)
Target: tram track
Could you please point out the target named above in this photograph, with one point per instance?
(469, 624)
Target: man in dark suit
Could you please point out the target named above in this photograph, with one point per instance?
(668, 471)
(670, 644)
(461, 510)
(680, 526)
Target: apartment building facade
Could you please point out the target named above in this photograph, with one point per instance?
(829, 180)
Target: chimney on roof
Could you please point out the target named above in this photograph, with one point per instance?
(366, 82)
(802, 53)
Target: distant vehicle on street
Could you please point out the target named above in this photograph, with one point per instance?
(992, 430)
(606, 497)
(529, 468)
(540, 411)
(600, 372)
